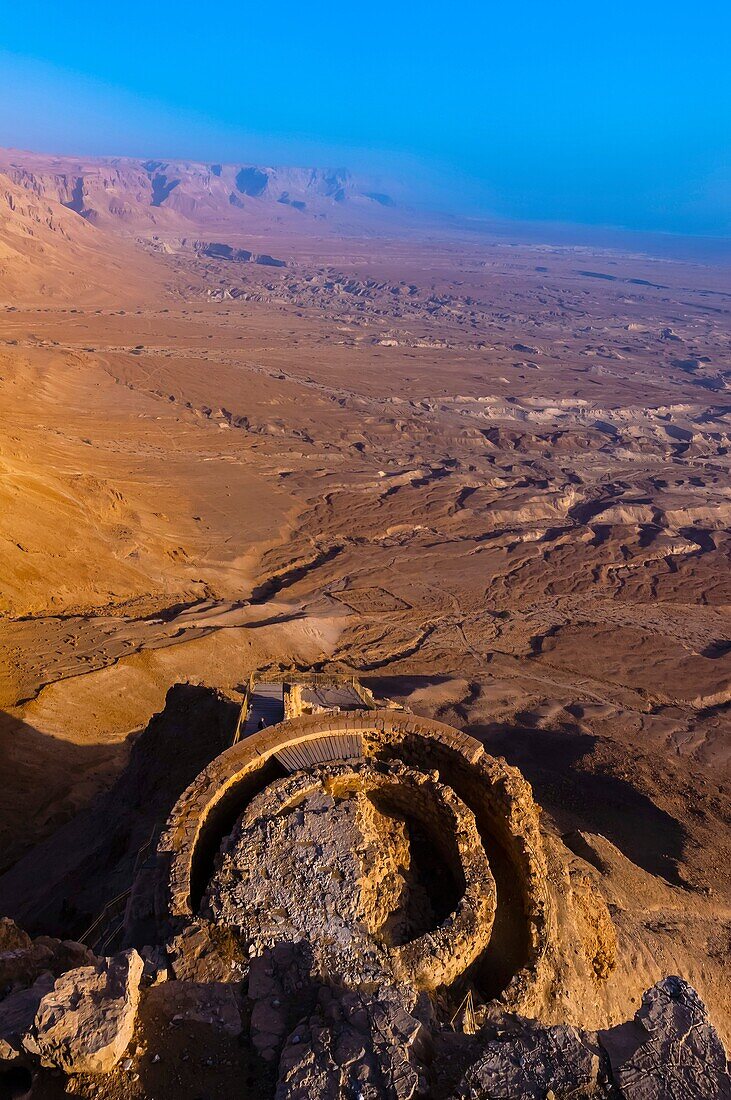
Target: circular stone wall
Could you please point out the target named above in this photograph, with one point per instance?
(324, 855)
(497, 797)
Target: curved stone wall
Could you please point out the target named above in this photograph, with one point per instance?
(440, 956)
(496, 794)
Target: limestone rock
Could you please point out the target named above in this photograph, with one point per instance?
(21, 965)
(85, 1023)
(156, 965)
(203, 952)
(17, 1013)
(670, 1049)
(12, 938)
(28, 969)
(355, 1045)
(532, 1062)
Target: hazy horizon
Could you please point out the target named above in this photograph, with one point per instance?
(610, 118)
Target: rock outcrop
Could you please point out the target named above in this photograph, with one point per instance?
(532, 1062)
(28, 971)
(85, 1022)
(315, 1040)
(669, 1050)
(23, 959)
(355, 1045)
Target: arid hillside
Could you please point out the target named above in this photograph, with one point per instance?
(49, 254)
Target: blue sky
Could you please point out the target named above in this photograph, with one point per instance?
(594, 112)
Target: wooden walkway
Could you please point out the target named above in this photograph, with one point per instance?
(320, 750)
(266, 707)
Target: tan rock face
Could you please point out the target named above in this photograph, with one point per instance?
(85, 1023)
(12, 938)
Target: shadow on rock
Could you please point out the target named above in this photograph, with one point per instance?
(578, 798)
(63, 883)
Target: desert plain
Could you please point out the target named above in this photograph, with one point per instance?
(275, 423)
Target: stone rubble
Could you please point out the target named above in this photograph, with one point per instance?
(373, 1042)
(22, 959)
(355, 1045)
(281, 990)
(327, 857)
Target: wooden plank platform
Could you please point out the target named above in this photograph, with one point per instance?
(321, 750)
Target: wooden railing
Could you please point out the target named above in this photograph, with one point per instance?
(306, 679)
(244, 712)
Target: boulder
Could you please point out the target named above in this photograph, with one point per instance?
(20, 966)
(17, 1013)
(355, 1044)
(12, 938)
(670, 1049)
(203, 952)
(28, 970)
(531, 1062)
(85, 1023)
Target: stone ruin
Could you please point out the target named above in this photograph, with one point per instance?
(373, 894)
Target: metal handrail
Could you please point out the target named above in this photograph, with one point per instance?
(145, 848)
(106, 912)
(244, 711)
(469, 1023)
(103, 944)
(112, 906)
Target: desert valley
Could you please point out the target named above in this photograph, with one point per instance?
(260, 420)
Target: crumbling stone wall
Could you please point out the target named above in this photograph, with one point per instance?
(439, 956)
(495, 793)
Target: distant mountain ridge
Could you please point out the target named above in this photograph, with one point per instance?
(71, 226)
(141, 195)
